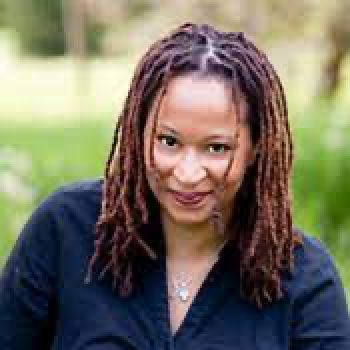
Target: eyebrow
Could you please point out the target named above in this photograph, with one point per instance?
(168, 128)
(209, 137)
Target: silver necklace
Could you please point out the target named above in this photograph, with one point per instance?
(180, 287)
(179, 284)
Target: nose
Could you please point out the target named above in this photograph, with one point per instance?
(189, 170)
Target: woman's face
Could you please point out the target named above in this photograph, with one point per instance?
(194, 141)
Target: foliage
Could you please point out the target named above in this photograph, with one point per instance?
(2, 12)
(38, 25)
(36, 160)
(40, 29)
(322, 173)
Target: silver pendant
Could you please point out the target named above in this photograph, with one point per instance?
(181, 285)
(183, 294)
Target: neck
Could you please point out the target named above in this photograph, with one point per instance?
(190, 242)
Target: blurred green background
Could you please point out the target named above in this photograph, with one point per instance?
(65, 67)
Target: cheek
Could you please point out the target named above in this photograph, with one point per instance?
(236, 174)
(156, 175)
(163, 161)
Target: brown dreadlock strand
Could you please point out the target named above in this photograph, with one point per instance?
(261, 220)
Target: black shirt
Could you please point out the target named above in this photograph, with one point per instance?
(44, 303)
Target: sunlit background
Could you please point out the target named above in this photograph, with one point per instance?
(65, 67)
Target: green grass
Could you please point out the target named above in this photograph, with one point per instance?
(321, 181)
(50, 156)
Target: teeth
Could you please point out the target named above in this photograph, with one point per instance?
(190, 198)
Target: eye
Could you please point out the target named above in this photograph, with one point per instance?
(218, 148)
(167, 140)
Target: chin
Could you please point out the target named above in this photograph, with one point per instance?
(188, 217)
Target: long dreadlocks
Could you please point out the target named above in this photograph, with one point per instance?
(262, 221)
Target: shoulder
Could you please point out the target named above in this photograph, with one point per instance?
(313, 267)
(88, 188)
(311, 253)
(73, 196)
(51, 244)
(319, 313)
(69, 210)
(61, 222)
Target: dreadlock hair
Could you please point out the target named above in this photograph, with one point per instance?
(262, 223)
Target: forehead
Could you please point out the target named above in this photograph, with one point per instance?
(199, 102)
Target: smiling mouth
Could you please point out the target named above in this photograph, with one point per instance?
(189, 198)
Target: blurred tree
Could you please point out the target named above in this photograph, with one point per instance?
(138, 8)
(338, 38)
(74, 24)
(145, 19)
(40, 26)
(2, 12)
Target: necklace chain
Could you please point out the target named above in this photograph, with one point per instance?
(179, 284)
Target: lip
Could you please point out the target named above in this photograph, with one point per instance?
(189, 198)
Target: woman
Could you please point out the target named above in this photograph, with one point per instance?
(194, 245)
